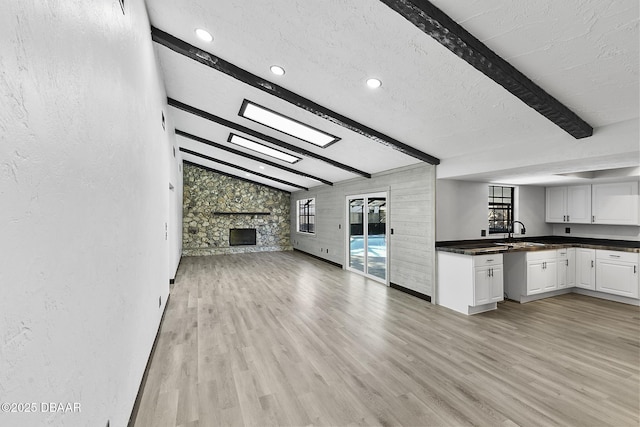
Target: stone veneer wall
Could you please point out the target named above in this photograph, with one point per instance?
(206, 192)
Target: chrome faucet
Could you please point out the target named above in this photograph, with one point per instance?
(522, 229)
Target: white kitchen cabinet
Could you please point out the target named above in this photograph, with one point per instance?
(617, 273)
(566, 268)
(556, 204)
(568, 204)
(585, 268)
(615, 203)
(488, 283)
(469, 284)
(542, 272)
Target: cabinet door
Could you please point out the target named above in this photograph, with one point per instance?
(571, 268)
(497, 284)
(615, 277)
(563, 263)
(550, 269)
(535, 277)
(579, 204)
(585, 268)
(481, 289)
(615, 203)
(556, 204)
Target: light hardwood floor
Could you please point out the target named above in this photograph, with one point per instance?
(284, 339)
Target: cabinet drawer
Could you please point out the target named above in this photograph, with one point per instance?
(540, 255)
(617, 256)
(486, 260)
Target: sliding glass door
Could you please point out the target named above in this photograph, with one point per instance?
(367, 235)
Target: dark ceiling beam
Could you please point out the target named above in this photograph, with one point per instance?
(249, 156)
(219, 64)
(231, 165)
(198, 165)
(435, 23)
(275, 141)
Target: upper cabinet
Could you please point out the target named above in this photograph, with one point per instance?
(615, 203)
(569, 204)
(610, 203)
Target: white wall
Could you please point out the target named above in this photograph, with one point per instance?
(84, 172)
(597, 231)
(462, 209)
(410, 214)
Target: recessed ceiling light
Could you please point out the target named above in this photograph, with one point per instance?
(277, 70)
(261, 167)
(247, 174)
(284, 124)
(374, 83)
(204, 35)
(260, 148)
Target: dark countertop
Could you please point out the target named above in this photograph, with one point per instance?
(542, 243)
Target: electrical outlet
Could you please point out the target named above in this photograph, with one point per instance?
(327, 250)
(483, 233)
(567, 230)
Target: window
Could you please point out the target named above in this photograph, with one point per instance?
(307, 216)
(501, 212)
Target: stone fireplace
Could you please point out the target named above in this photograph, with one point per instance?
(215, 203)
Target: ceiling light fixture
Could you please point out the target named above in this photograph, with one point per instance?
(277, 70)
(284, 124)
(263, 149)
(204, 35)
(374, 83)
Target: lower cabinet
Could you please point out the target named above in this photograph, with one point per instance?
(585, 268)
(617, 273)
(488, 284)
(542, 272)
(469, 284)
(566, 268)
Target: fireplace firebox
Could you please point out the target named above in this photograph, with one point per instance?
(242, 236)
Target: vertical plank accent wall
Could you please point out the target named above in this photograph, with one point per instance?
(411, 215)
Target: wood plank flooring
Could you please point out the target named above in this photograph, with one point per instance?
(284, 339)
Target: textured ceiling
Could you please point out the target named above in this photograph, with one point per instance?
(583, 52)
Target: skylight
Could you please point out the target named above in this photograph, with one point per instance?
(277, 121)
(260, 148)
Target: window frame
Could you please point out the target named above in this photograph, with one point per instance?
(307, 214)
(509, 208)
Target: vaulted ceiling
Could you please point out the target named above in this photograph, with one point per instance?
(445, 98)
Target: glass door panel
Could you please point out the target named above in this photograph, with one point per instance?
(377, 237)
(367, 240)
(356, 234)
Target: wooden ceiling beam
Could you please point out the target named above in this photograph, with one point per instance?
(238, 127)
(249, 171)
(436, 24)
(219, 64)
(249, 156)
(230, 175)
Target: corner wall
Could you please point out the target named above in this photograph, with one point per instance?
(84, 182)
(411, 213)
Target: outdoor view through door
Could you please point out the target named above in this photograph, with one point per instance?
(367, 241)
